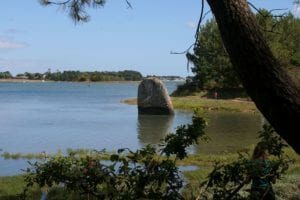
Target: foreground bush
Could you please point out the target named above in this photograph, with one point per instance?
(147, 173)
(150, 172)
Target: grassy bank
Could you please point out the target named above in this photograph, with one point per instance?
(193, 102)
(41, 156)
(12, 187)
(287, 188)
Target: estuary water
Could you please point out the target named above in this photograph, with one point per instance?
(37, 117)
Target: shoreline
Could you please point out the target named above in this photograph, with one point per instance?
(193, 102)
(21, 81)
(50, 81)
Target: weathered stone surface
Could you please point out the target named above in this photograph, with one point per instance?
(153, 98)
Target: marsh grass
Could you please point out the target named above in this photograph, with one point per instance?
(286, 188)
(16, 156)
(11, 187)
(193, 102)
(43, 155)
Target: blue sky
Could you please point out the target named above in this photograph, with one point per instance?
(34, 38)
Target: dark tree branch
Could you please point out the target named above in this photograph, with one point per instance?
(270, 31)
(196, 34)
(200, 20)
(128, 4)
(47, 2)
(185, 51)
(203, 15)
(269, 12)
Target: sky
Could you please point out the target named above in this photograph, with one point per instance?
(35, 38)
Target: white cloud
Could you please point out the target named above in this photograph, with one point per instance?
(7, 62)
(191, 24)
(7, 43)
(12, 31)
(21, 65)
(296, 10)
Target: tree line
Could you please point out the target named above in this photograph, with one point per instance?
(127, 75)
(77, 76)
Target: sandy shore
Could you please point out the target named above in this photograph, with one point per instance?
(13, 80)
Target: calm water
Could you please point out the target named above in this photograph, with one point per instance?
(36, 117)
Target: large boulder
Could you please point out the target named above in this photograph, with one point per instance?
(153, 98)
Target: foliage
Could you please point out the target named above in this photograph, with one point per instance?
(283, 36)
(127, 75)
(76, 8)
(187, 89)
(231, 180)
(212, 66)
(34, 76)
(4, 75)
(140, 174)
(186, 135)
(273, 142)
(77, 76)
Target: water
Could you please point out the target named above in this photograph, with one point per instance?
(36, 117)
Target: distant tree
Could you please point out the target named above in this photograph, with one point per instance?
(20, 75)
(29, 75)
(38, 76)
(130, 75)
(4, 75)
(33, 76)
(212, 66)
(127, 75)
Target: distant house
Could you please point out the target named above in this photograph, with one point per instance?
(21, 76)
(167, 78)
(189, 79)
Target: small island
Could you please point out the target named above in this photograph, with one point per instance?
(72, 76)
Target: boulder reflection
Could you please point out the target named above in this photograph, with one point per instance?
(153, 128)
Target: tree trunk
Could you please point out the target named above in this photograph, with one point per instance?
(267, 83)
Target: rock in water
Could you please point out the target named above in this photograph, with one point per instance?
(153, 98)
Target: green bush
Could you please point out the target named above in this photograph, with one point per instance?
(151, 172)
